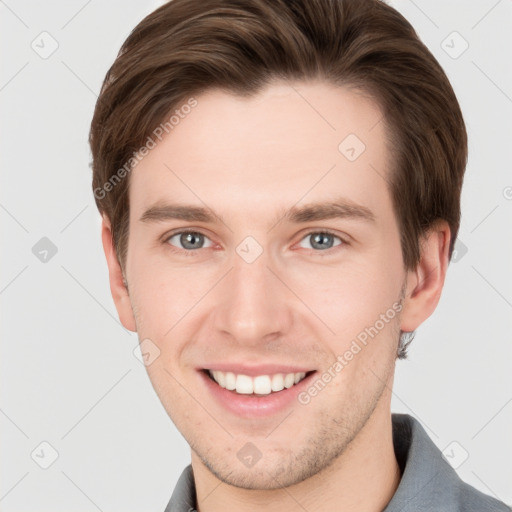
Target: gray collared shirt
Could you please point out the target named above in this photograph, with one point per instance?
(428, 482)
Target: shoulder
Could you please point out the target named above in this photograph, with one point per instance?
(429, 483)
(470, 499)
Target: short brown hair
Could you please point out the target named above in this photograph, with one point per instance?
(188, 46)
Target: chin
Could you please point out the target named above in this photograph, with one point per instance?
(265, 474)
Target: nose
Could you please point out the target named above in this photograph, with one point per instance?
(253, 306)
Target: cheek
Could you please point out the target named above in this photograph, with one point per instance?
(351, 295)
(162, 294)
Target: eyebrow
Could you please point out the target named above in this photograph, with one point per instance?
(338, 209)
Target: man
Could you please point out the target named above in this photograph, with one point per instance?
(280, 189)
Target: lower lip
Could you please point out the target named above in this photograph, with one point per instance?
(251, 406)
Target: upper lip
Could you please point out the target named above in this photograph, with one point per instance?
(255, 370)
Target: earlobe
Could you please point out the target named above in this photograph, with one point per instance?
(118, 287)
(425, 283)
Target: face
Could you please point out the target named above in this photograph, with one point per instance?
(296, 253)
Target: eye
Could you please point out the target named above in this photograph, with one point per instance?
(189, 240)
(321, 240)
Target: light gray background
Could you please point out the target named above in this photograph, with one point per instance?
(68, 372)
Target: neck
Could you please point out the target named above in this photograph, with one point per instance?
(363, 479)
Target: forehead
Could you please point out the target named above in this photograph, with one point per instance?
(290, 143)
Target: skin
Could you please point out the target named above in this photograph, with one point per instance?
(247, 160)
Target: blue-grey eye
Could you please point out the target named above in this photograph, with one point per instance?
(190, 240)
(321, 240)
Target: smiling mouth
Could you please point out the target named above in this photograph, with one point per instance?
(260, 385)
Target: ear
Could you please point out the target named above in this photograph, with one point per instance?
(425, 283)
(117, 287)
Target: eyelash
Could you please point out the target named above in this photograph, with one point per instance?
(190, 252)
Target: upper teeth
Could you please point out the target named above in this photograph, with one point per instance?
(260, 385)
